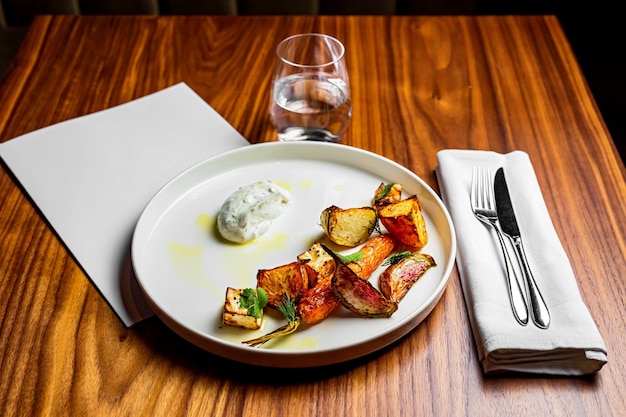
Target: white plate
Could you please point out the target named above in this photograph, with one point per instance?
(183, 267)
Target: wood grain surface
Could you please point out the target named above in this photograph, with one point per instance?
(420, 85)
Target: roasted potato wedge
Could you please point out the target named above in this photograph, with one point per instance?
(386, 194)
(348, 227)
(322, 264)
(358, 295)
(396, 281)
(290, 279)
(404, 221)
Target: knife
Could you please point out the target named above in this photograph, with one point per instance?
(506, 216)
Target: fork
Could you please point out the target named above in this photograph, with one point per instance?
(484, 208)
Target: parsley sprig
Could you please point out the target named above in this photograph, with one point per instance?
(253, 300)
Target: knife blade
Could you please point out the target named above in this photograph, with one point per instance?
(508, 223)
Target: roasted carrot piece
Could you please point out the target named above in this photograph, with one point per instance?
(318, 302)
(374, 252)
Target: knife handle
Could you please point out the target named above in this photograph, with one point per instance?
(516, 295)
(538, 308)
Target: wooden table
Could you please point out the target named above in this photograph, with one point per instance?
(420, 84)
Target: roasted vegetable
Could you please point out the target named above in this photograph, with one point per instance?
(386, 194)
(398, 278)
(289, 280)
(244, 307)
(288, 309)
(405, 221)
(318, 302)
(348, 227)
(320, 262)
(373, 253)
(283, 285)
(358, 295)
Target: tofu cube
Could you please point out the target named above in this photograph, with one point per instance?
(235, 315)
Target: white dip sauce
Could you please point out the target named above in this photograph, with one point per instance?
(250, 211)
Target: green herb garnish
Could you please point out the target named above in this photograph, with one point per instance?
(385, 191)
(353, 257)
(397, 257)
(254, 301)
(288, 308)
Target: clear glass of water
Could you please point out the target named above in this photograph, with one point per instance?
(311, 90)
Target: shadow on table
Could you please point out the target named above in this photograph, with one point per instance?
(198, 361)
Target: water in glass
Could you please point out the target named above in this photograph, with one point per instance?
(311, 107)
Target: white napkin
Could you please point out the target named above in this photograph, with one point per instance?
(572, 345)
(92, 176)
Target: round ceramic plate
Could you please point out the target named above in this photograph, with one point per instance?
(183, 266)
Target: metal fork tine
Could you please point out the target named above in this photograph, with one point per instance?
(488, 191)
(492, 197)
(478, 197)
(482, 186)
(474, 191)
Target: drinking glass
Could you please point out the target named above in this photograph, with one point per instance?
(311, 91)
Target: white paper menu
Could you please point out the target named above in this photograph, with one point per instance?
(92, 176)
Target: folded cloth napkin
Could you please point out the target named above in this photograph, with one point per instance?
(572, 345)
